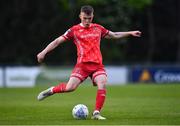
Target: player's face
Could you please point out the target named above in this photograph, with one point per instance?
(86, 19)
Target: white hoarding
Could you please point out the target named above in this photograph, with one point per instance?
(117, 75)
(1, 77)
(21, 76)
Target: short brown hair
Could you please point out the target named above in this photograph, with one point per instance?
(87, 9)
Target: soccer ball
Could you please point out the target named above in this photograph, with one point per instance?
(80, 111)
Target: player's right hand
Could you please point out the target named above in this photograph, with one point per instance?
(40, 57)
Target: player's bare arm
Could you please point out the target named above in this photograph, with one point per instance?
(117, 35)
(50, 47)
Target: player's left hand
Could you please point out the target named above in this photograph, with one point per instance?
(136, 33)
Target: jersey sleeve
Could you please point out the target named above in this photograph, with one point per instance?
(68, 35)
(104, 31)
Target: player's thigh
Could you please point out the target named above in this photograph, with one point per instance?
(100, 81)
(73, 83)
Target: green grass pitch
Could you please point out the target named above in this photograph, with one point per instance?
(132, 104)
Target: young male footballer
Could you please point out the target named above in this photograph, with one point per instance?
(87, 37)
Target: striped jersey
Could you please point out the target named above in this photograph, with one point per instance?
(87, 41)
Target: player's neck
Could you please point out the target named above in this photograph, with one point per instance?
(81, 24)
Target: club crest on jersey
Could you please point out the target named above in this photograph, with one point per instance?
(95, 28)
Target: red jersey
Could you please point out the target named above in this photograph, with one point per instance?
(87, 41)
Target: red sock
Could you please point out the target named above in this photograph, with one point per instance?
(59, 88)
(100, 98)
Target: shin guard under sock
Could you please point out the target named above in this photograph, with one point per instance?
(59, 88)
(100, 98)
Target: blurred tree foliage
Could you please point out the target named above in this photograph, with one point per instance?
(27, 27)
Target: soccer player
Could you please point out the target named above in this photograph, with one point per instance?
(87, 37)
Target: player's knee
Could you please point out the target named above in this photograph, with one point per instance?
(102, 81)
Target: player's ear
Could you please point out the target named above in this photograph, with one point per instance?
(92, 15)
(80, 15)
